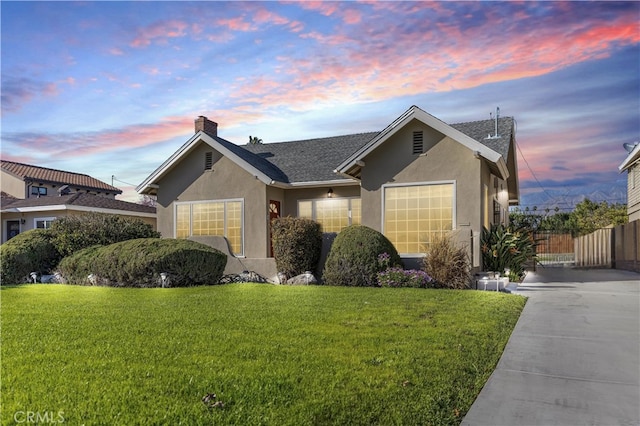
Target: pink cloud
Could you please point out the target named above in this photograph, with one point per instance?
(352, 16)
(325, 8)
(380, 65)
(89, 143)
(235, 24)
(17, 91)
(159, 31)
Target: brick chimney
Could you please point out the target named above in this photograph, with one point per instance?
(202, 123)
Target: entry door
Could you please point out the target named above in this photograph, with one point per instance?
(13, 228)
(274, 213)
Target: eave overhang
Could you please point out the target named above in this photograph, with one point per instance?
(632, 158)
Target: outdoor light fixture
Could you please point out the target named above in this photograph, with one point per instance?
(330, 193)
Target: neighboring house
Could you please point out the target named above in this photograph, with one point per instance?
(413, 181)
(631, 165)
(27, 181)
(32, 197)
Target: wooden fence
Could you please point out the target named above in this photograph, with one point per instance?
(594, 250)
(626, 243)
(553, 248)
(617, 247)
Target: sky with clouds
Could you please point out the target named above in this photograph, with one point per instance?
(112, 88)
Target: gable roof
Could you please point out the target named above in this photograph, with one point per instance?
(316, 161)
(353, 164)
(28, 172)
(77, 202)
(631, 159)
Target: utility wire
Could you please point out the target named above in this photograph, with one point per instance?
(113, 178)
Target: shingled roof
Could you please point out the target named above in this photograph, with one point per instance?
(53, 176)
(77, 201)
(311, 159)
(484, 132)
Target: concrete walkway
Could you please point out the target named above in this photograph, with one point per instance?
(574, 355)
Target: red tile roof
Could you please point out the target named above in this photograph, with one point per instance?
(43, 174)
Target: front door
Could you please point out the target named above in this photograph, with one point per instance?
(274, 213)
(13, 228)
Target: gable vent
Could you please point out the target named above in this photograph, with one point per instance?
(208, 160)
(418, 146)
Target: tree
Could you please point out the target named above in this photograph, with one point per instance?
(147, 200)
(589, 216)
(254, 140)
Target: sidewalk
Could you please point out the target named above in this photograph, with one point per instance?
(574, 355)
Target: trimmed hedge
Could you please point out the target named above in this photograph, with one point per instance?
(355, 257)
(139, 263)
(30, 251)
(297, 243)
(74, 233)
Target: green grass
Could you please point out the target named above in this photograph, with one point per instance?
(276, 355)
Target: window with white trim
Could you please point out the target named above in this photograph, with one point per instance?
(219, 217)
(415, 215)
(333, 214)
(43, 222)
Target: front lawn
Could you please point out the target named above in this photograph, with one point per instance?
(274, 355)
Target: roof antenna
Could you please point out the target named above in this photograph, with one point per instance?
(495, 135)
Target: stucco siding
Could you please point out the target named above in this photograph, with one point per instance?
(188, 181)
(292, 196)
(12, 185)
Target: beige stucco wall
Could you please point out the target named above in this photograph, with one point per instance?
(188, 181)
(12, 185)
(292, 196)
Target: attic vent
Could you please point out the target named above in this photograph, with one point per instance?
(208, 160)
(418, 146)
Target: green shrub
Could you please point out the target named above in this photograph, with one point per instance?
(505, 248)
(140, 262)
(73, 233)
(354, 257)
(447, 263)
(30, 251)
(297, 243)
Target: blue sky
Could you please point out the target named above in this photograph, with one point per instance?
(112, 88)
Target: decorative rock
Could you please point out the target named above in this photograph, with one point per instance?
(303, 279)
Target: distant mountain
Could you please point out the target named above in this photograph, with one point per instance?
(567, 198)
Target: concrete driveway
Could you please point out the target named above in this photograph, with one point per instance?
(574, 355)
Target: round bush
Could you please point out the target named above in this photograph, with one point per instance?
(73, 233)
(140, 263)
(30, 251)
(297, 243)
(355, 257)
